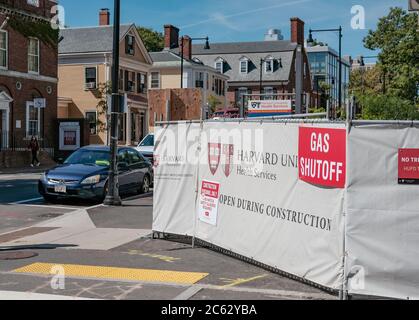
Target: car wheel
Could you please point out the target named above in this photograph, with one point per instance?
(145, 186)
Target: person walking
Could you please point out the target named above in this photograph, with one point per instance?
(34, 148)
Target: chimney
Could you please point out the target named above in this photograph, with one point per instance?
(171, 37)
(104, 17)
(297, 31)
(187, 47)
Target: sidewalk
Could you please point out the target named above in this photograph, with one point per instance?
(27, 169)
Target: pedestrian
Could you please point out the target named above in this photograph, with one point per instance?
(34, 148)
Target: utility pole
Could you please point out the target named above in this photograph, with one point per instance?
(113, 198)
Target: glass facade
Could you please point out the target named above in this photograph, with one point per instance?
(325, 68)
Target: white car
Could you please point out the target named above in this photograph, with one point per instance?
(146, 147)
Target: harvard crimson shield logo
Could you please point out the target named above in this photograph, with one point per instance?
(214, 156)
(228, 152)
(220, 152)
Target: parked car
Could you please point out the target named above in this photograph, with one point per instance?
(85, 174)
(146, 147)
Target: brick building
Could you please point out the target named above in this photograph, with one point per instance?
(284, 69)
(28, 73)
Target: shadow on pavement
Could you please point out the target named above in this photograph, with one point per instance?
(38, 247)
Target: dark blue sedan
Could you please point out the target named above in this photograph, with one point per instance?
(85, 174)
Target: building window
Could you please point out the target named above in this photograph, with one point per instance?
(244, 66)
(33, 55)
(270, 93)
(90, 78)
(129, 81)
(3, 49)
(130, 45)
(219, 66)
(199, 80)
(142, 83)
(242, 95)
(91, 118)
(155, 80)
(32, 119)
(269, 66)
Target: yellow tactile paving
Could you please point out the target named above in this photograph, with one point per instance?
(111, 273)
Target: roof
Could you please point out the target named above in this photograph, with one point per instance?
(164, 56)
(170, 59)
(89, 39)
(233, 52)
(232, 66)
(245, 47)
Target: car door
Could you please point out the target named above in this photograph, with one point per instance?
(124, 172)
(137, 168)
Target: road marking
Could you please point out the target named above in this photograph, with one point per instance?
(236, 282)
(51, 207)
(100, 272)
(274, 292)
(15, 295)
(26, 201)
(156, 256)
(188, 293)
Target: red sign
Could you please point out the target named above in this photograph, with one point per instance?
(409, 166)
(322, 156)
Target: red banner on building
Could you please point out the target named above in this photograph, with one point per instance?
(322, 156)
(409, 166)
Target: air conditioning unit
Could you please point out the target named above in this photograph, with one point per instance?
(131, 51)
(90, 85)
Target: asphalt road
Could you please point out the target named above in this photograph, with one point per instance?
(19, 187)
(90, 240)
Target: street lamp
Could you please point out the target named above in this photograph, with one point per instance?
(261, 69)
(310, 40)
(206, 47)
(113, 198)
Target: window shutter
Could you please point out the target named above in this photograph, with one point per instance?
(127, 45)
(126, 80)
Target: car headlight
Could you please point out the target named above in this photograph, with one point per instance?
(91, 180)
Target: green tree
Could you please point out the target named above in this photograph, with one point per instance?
(397, 38)
(387, 107)
(213, 103)
(153, 40)
(366, 81)
(104, 90)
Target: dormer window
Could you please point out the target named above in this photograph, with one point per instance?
(269, 65)
(244, 65)
(130, 45)
(219, 65)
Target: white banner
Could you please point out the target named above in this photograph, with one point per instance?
(382, 233)
(265, 212)
(262, 108)
(175, 176)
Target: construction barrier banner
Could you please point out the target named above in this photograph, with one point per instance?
(175, 176)
(382, 232)
(264, 211)
(338, 210)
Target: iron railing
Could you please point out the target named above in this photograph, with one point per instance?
(19, 141)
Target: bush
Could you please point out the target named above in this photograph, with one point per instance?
(386, 107)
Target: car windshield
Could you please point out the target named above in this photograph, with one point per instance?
(89, 157)
(148, 141)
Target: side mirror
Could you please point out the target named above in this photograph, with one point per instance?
(60, 160)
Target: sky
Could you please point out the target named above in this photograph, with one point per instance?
(241, 20)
